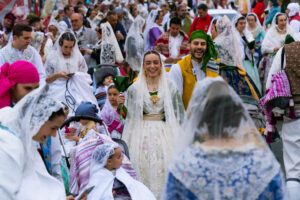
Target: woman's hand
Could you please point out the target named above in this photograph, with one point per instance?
(88, 51)
(121, 99)
(276, 49)
(70, 197)
(57, 75)
(252, 51)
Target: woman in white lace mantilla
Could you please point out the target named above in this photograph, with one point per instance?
(23, 173)
(64, 59)
(155, 110)
(247, 48)
(273, 41)
(220, 154)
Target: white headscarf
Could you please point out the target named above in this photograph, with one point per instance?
(134, 44)
(27, 117)
(246, 33)
(226, 43)
(273, 39)
(216, 112)
(150, 23)
(56, 62)
(294, 9)
(62, 26)
(110, 50)
(102, 153)
(258, 25)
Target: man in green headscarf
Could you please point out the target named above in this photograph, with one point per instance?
(194, 67)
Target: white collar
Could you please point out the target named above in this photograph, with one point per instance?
(79, 30)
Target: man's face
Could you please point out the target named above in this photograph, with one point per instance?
(113, 20)
(23, 41)
(70, 12)
(76, 22)
(7, 23)
(202, 13)
(174, 29)
(67, 47)
(93, 14)
(182, 12)
(198, 48)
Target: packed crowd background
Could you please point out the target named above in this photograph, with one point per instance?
(123, 99)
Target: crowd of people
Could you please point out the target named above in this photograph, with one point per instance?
(110, 99)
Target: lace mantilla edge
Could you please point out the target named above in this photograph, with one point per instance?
(239, 175)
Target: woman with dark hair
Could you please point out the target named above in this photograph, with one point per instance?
(220, 154)
(155, 110)
(247, 48)
(254, 27)
(64, 59)
(32, 120)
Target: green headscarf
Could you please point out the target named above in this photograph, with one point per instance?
(210, 49)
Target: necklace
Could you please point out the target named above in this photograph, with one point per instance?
(280, 30)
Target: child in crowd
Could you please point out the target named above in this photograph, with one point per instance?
(86, 114)
(103, 78)
(110, 115)
(110, 180)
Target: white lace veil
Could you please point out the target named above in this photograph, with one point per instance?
(226, 43)
(273, 38)
(216, 111)
(137, 99)
(150, 23)
(27, 116)
(246, 33)
(258, 25)
(274, 24)
(134, 44)
(102, 153)
(217, 114)
(110, 50)
(62, 27)
(56, 62)
(214, 20)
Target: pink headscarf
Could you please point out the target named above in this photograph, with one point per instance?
(18, 72)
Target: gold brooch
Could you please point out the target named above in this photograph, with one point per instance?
(154, 99)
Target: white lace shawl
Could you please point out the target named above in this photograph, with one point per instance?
(273, 39)
(27, 117)
(134, 44)
(226, 43)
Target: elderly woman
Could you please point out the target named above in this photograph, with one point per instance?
(35, 118)
(220, 154)
(155, 110)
